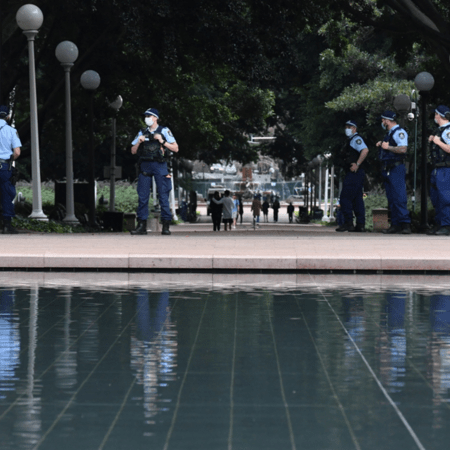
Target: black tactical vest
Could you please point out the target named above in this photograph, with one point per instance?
(437, 154)
(386, 155)
(150, 149)
(351, 155)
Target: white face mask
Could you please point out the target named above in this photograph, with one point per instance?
(348, 132)
(149, 121)
(383, 125)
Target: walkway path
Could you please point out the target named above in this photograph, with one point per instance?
(272, 247)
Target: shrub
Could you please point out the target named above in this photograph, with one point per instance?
(126, 198)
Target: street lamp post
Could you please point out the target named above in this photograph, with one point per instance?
(116, 105)
(424, 82)
(413, 116)
(67, 53)
(30, 18)
(90, 80)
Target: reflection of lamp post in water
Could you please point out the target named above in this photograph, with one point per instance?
(90, 80)
(30, 18)
(424, 82)
(67, 53)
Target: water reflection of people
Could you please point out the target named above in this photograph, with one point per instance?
(9, 342)
(153, 348)
(440, 353)
(355, 324)
(392, 342)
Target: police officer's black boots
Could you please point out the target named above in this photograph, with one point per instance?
(7, 227)
(348, 226)
(393, 229)
(443, 231)
(141, 228)
(165, 227)
(432, 231)
(359, 228)
(406, 228)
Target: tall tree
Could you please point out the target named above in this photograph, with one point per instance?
(197, 61)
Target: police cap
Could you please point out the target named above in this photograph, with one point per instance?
(4, 111)
(152, 112)
(389, 115)
(352, 123)
(443, 111)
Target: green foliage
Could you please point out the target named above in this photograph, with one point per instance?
(371, 202)
(378, 200)
(47, 194)
(126, 201)
(126, 198)
(46, 227)
(209, 67)
(380, 80)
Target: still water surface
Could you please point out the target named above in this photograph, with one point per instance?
(249, 368)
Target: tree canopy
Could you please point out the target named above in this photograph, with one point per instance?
(206, 65)
(221, 70)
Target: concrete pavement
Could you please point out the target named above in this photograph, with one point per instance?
(278, 248)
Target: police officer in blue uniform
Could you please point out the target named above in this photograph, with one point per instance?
(351, 199)
(440, 176)
(392, 153)
(152, 145)
(9, 150)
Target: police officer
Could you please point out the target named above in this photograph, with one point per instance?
(152, 145)
(440, 176)
(9, 150)
(351, 198)
(392, 153)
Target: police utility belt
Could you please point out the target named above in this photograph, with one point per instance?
(441, 164)
(389, 165)
(5, 164)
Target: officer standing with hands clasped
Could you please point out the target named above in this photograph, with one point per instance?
(9, 150)
(351, 198)
(152, 145)
(440, 176)
(392, 156)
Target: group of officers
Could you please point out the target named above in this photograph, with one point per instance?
(155, 143)
(392, 154)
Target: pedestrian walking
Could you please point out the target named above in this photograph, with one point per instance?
(235, 210)
(256, 208)
(240, 209)
(290, 211)
(216, 212)
(265, 210)
(227, 211)
(275, 207)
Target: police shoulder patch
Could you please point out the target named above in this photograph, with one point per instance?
(402, 135)
(448, 134)
(359, 141)
(169, 132)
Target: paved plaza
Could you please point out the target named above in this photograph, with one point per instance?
(278, 247)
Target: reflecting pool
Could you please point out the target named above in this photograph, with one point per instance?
(145, 366)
